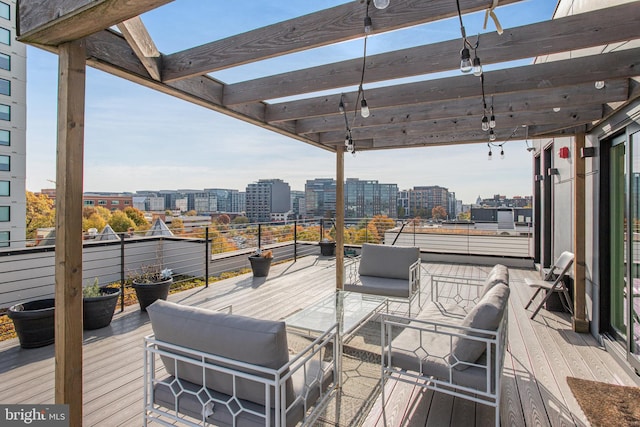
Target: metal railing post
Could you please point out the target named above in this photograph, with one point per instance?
(295, 240)
(122, 237)
(207, 257)
(321, 228)
(259, 236)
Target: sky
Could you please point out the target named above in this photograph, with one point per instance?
(140, 139)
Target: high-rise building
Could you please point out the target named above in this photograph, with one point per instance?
(13, 122)
(298, 206)
(227, 201)
(364, 199)
(267, 197)
(423, 199)
(320, 197)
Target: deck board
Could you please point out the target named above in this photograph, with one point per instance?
(540, 355)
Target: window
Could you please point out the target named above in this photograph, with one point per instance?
(115, 202)
(5, 112)
(5, 61)
(5, 213)
(89, 203)
(5, 188)
(5, 11)
(5, 36)
(5, 87)
(5, 237)
(5, 163)
(126, 202)
(5, 137)
(102, 202)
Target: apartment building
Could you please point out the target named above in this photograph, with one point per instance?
(13, 122)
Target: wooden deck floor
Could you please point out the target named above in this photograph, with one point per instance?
(541, 354)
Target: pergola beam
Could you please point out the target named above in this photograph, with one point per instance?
(544, 99)
(52, 22)
(614, 65)
(329, 26)
(543, 38)
(142, 44)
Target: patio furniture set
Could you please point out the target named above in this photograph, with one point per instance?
(225, 369)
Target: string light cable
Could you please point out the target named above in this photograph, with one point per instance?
(501, 145)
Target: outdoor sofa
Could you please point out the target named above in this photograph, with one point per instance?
(230, 370)
(390, 271)
(456, 344)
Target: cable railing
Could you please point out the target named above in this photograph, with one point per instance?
(201, 255)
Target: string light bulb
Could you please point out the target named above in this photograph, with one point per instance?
(381, 4)
(490, 155)
(501, 152)
(465, 60)
(485, 123)
(368, 24)
(364, 108)
(492, 121)
(477, 67)
(492, 135)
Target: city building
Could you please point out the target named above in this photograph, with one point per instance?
(107, 200)
(266, 197)
(13, 123)
(423, 199)
(366, 198)
(227, 201)
(320, 197)
(298, 204)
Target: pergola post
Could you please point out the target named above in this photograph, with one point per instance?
(580, 322)
(339, 217)
(68, 257)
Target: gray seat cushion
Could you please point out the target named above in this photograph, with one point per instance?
(380, 286)
(498, 274)
(254, 341)
(391, 262)
(486, 315)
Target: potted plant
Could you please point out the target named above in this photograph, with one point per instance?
(151, 283)
(261, 262)
(98, 305)
(327, 247)
(34, 322)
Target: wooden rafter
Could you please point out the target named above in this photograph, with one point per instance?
(543, 38)
(52, 22)
(142, 44)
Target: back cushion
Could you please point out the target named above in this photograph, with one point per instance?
(254, 341)
(486, 315)
(392, 262)
(499, 273)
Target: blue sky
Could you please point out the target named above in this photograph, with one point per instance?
(139, 139)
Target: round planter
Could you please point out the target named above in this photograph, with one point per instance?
(260, 265)
(34, 322)
(97, 312)
(327, 248)
(148, 293)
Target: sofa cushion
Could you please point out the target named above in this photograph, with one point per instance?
(245, 339)
(392, 262)
(380, 286)
(486, 315)
(498, 274)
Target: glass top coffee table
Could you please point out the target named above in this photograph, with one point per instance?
(350, 310)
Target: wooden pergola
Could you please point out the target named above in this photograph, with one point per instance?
(425, 112)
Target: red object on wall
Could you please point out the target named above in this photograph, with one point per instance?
(564, 152)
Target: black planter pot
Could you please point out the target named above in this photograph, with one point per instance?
(34, 322)
(260, 265)
(148, 293)
(97, 312)
(327, 248)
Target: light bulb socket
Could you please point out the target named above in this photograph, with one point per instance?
(492, 135)
(501, 153)
(368, 24)
(492, 121)
(341, 106)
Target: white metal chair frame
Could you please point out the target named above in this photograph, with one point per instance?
(553, 282)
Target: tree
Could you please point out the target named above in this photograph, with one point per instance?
(136, 215)
(369, 234)
(240, 220)
(177, 225)
(191, 213)
(40, 213)
(438, 212)
(103, 212)
(382, 223)
(120, 222)
(223, 219)
(94, 221)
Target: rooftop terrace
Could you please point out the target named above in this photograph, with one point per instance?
(541, 354)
